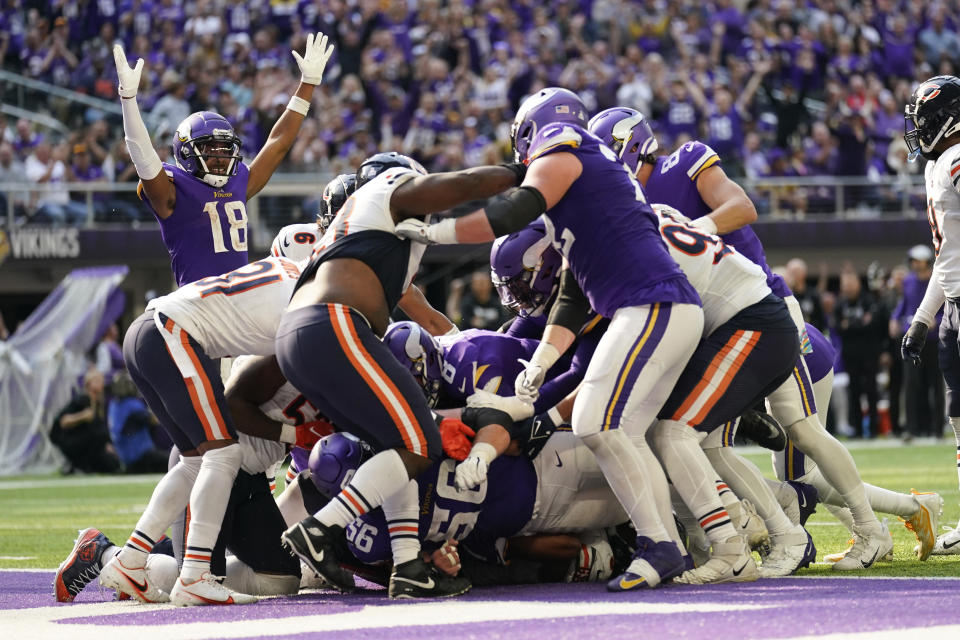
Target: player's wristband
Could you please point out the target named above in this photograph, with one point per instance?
(288, 434)
(298, 105)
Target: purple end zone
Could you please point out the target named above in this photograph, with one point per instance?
(792, 607)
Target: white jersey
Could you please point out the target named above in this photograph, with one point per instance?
(287, 406)
(943, 213)
(359, 228)
(295, 241)
(726, 281)
(237, 313)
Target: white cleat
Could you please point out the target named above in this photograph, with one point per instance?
(749, 524)
(788, 552)
(867, 549)
(730, 562)
(206, 590)
(947, 544)
(924, 522)
(132, 581)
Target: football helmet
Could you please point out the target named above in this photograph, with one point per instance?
(380, 162)
(552, 104)
(334, 460)
(525, 269)
(628, 133)
(335, 194)
(204, 137)
(932, 115)
(417, 351)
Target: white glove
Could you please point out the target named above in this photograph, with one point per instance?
(527, 384)
(129, 78)
(707, 224)
(516, 407)
(314, 58)
(473, 471)
(443, 232)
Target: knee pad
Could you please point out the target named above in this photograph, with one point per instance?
(226, 459)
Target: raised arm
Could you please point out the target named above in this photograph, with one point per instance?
(157, 188)
(285, 130)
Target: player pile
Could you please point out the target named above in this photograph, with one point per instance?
(591, 439)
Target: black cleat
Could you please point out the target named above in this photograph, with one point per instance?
(763, 429)
(315, 544)
(417, 579)
(81, 566)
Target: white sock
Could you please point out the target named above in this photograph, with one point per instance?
(625, 469)
(169, 498)
(837, 466)
(402, 511)
(842, 514)
(696, 538)
(955, 423)
(378, 478)
(290, 503)
(678, 448)
(208, 503)
(747, 482)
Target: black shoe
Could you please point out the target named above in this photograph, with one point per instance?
(763, 429)
(417, 579)
(81, 566)
(315, 544)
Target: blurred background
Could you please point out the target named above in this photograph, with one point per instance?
(802, 101)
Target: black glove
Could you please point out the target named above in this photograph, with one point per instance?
(762, 428)
(518, 168)
(533, 434)
(913, 342)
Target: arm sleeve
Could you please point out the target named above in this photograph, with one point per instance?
(556, 389)
(571, 308)
(932, 301)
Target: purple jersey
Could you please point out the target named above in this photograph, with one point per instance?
(498, 508)
(674, 182)
(820, 361)
(479, 359)
(206, 235)
(604, 213)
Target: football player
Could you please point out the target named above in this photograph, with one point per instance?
(652, 310)
(691, 181)
(295, 241)
(170, 352)
(200, 201)
(933, 123)
(358, 274)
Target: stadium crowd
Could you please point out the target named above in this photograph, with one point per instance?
(778, 89)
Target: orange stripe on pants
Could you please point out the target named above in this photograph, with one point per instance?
(727, 379)
(207, 387)
(711, 368)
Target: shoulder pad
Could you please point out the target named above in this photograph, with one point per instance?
(555, 137)
(697, 157)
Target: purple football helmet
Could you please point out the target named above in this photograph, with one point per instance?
(552, 104)
(525, 269)
(204, 136)
(334, 460)
(628, 133)
(418, 351)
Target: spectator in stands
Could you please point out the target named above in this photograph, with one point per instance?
(46, 166)
(80, 430)
(109, 354)
(860, 325)
(12, 172)
(131, 424)
(25, 139)
(937, 41)
(172, 108)
(809, 298)
(480, 307)
(924, 394)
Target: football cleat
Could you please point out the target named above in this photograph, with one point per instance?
(131, 581)
(948, 544)
(750, 525)
(653, 563)
(924, 522)
(867, 548)
(206, 590)
(763, 429)
(788, 553)
(417, 579)
(730, 562)
(315, 544)
(81, 566)
(807, 498)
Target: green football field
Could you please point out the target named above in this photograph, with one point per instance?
(40, 515)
